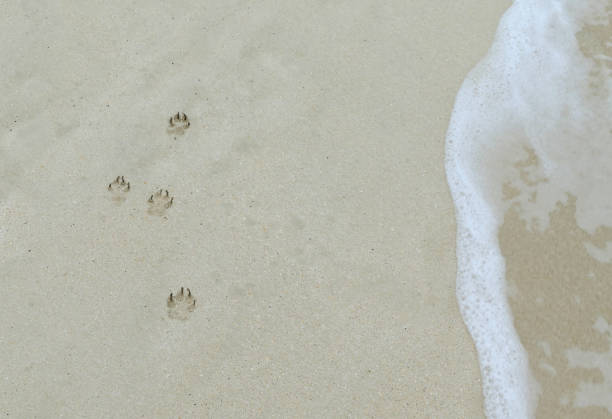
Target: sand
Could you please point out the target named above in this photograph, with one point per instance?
(558, 298)
(310, 217)
(559, 284)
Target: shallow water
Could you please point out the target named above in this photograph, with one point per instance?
(528, 164)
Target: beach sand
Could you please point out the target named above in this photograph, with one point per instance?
(310, 219)
(559, 299)
(559, 284)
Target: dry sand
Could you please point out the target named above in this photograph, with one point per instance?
(311, 219)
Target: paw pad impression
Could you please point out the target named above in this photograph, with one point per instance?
(181, 304)
(118, 188)
(178, 123)
(159, 202)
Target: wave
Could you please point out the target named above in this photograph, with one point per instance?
(531, 128)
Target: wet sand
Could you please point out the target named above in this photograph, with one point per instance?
(307, 209)
(558, 295)
(559, 286)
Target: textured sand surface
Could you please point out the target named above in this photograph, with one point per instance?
(309, 218)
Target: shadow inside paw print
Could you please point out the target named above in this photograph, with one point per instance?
(159, 202)
(118, 189)
(178, 123)
(181, 304)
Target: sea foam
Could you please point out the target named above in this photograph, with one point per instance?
(538, 96)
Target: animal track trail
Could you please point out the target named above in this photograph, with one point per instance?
(118, 189)
(159, 202)
(177, 124)
(181, 304)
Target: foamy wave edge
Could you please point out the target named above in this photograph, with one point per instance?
(491, 99)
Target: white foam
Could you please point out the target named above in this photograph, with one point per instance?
(535, 90)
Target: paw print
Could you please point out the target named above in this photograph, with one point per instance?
(159, 202)
(181, 304)
(178, 123)
(118, 188)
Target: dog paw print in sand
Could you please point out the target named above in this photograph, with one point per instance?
(118, 189)
(159, 202)
(177, 124)
(181, 304)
